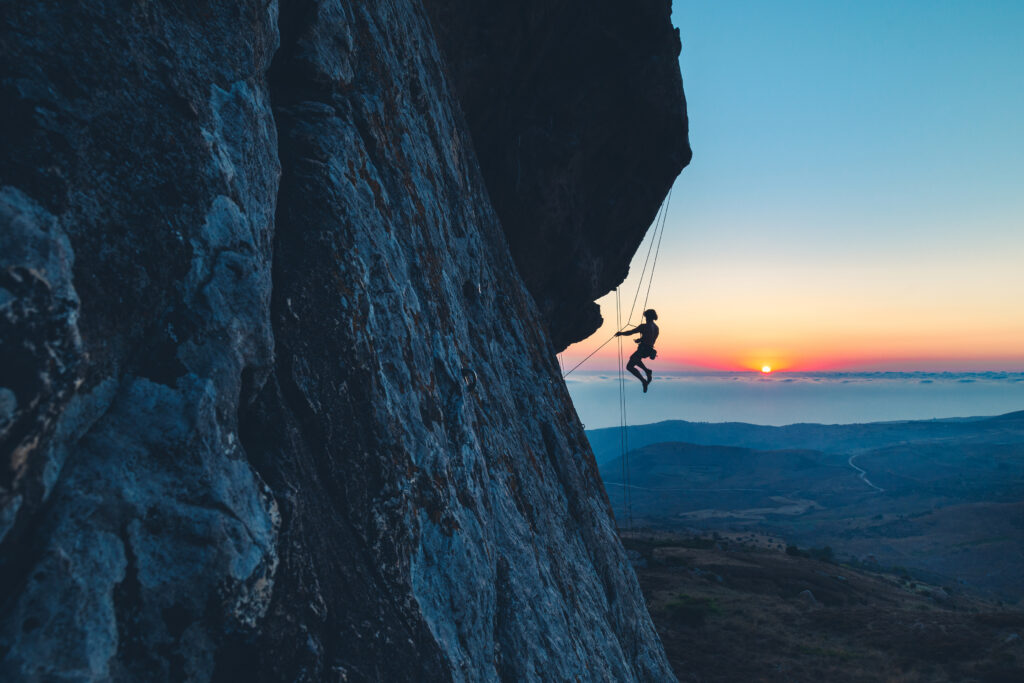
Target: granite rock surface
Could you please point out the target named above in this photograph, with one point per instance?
(578, 117)
(275, 401)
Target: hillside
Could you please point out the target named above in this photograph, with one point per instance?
(942, 500)
(740, 608)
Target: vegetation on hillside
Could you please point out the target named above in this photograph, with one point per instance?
(742, 608)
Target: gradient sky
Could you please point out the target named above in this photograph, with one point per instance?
(856, 196)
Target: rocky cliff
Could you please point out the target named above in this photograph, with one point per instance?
(579, 122)
(275, 401)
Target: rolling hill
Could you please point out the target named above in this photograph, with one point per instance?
(941, 500)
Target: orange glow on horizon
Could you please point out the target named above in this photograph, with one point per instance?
(827, 318)
(733, 358)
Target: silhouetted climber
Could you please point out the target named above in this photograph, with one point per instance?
(648, 333)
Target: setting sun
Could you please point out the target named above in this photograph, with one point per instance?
(766, 369)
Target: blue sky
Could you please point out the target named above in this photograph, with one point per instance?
(856, 196)
(836, 116)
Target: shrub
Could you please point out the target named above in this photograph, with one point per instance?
(686, 610)
(698, 543)
(824, 554)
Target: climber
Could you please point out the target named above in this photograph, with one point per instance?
(648, 333)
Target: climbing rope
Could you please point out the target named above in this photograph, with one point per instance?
(621, 388)
(660, 220)
(656, 235)
(627, 496)
(661, 215)
(657, 251)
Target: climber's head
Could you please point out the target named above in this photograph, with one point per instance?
(651, 314)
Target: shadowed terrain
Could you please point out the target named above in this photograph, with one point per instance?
(939, 499)
(738, 607)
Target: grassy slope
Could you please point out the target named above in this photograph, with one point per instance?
(949, 509)
(733, 612)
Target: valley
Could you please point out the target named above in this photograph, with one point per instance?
(940, 500)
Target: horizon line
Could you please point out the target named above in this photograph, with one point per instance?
(758, 373)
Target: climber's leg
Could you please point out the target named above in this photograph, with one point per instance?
(634, 361)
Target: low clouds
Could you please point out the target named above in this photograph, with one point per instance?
(788, 398)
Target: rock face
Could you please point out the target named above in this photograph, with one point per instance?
(275, 402)
(579, 121)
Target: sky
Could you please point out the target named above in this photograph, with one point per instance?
(856, 195)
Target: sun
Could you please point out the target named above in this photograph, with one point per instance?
(766, 369)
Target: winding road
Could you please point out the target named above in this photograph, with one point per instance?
(864, 475)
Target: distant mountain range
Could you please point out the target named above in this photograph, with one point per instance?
(941, 498)
(836, 438)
